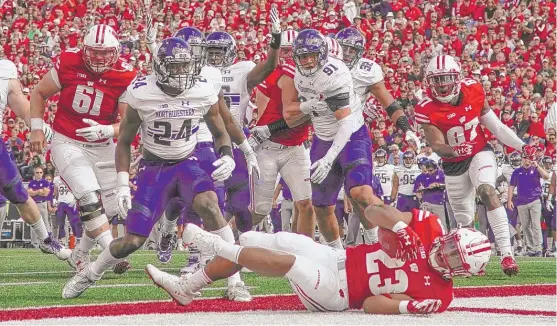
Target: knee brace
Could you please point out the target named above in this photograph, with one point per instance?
(108, 199)
(91, 211)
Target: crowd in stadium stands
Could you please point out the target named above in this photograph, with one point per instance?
(507, 45)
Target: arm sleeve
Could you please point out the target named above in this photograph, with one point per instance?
(342, 137)
(338, 101)
(501, 131)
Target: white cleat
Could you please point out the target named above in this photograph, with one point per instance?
(177, 287)
(79, 260)
(205, 242)
(238, 293)
(78, 284)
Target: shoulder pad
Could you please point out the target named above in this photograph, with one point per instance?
(8, 69)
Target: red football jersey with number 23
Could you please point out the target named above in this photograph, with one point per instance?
(370, 271)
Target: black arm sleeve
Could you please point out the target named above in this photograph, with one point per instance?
(391, 109)
(338, 101)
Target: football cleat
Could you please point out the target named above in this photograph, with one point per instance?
(164, 247)
(121, 267)
(79, 260)
(238, 293)
(78, 284)
(509, 266)
(52, 246)
(205, 241)
(177, 287)
(192, 266)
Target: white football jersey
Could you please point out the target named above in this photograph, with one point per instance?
(169, 124)
(385, 175)
(235, 88)
(365, 73)
(8, 71)
(64, 193)
(407, 178)
(213, 75)
(333, 79)
(546, 183)
(508, 172)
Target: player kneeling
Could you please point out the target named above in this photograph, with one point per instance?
(409, 271)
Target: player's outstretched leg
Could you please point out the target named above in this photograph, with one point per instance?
(497, 218)
(206, 205)
(230, 258)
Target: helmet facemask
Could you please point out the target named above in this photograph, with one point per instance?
(444, 86)
(351, 54)
(100, 59)
(176, 74)
(308, 63)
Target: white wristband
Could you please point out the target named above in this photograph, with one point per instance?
(123, 179)
(403, 307)
(399, 226)
(37, 124)
(245, 147)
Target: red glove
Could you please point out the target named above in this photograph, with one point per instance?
(371, 112)
(427, 306)
(529, 152)
(409, 244)
(464, 149)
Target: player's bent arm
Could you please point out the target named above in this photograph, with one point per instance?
(290, 105)
(232, 127)
(265, 68)
(394, 191)
(435, 138)
(18, 102)
(383, 305)
(216, 126)
(500, 130)
(129, 126)
(46, 88)
(543, 173)
(392, 107)
(345, 120)
(386, 216)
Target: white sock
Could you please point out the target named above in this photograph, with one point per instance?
(86, 244)
(104, 262)
(40, 229)
(370, 235)
(519, 243)
(549, 243)
(199, 280)
(166, 225)
(500, 226)
(104, 239)
(230, 252)
(337, 244)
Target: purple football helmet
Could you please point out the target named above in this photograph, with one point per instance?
(353, 45)
(310, 43)
(196, 41)
(174, 66)
(380, 157)
(221, 49)
(408, 158)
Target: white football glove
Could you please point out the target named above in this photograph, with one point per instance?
(275, 21)
(259, 135)
(225, 165)
(48, 133)
(549, 203)
(411, 136)
(371, 112)
(251, 160)
(253, 142)
(322, 169)
(123, 194)
(96, 131)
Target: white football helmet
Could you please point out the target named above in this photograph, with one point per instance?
(101, 48)
(442, 78)
(286, 42)
(462, 252)
(335, 50)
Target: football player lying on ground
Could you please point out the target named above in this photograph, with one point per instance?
(408, 272)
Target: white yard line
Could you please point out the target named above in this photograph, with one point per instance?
(24, 283)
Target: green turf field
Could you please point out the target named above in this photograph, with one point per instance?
(29, 278)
